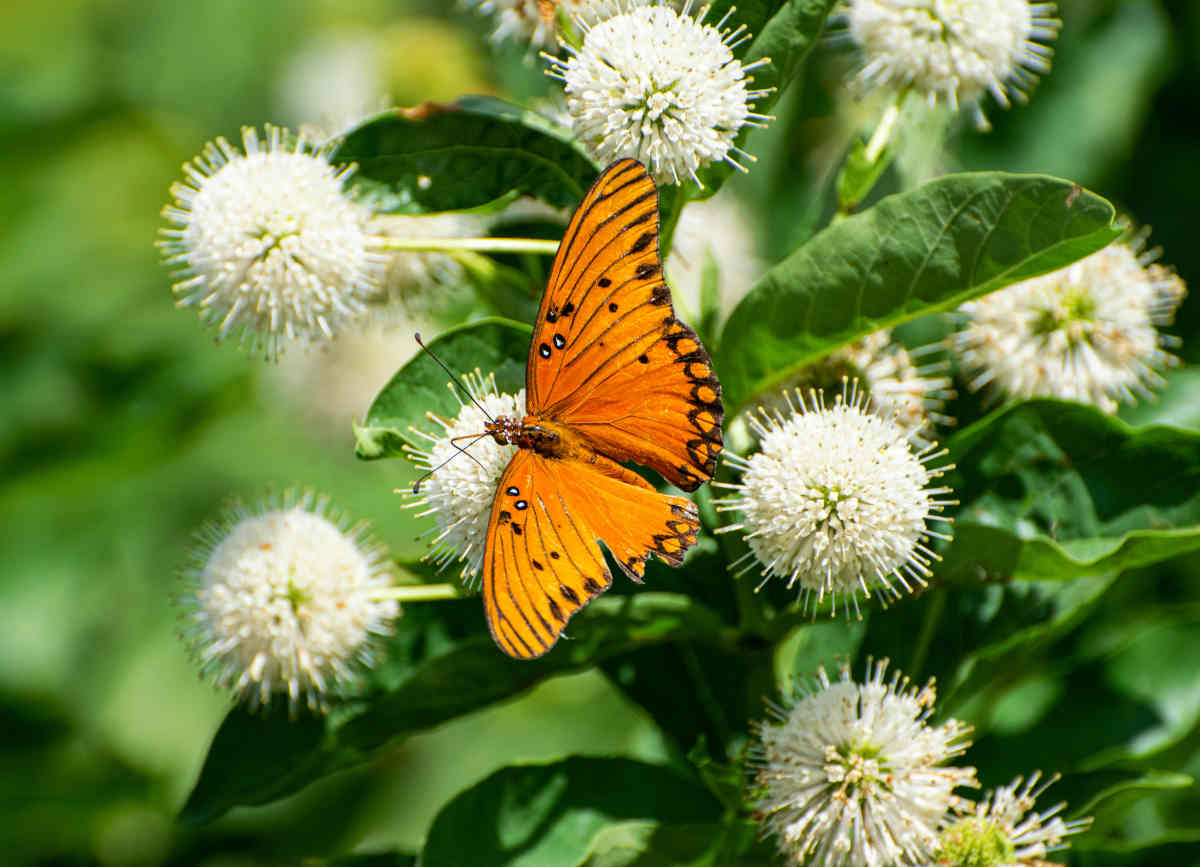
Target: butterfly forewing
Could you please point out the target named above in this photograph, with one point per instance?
(608, 357)
(543, 562)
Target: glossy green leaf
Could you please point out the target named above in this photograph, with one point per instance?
(927, 250)
(784, 33)
(1056, 490)
(257, 759)
(558, 814)
(464, 154)
(421, 386)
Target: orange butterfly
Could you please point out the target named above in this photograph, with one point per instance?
(612, 376)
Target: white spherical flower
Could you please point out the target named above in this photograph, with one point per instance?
(836, 500)
(953, 51)
(459, 494)
(659, 86)
(537, 21)
(852, 773)
(1084, 333)
(267, 243)
(913, 394)
(1000, 831)
(284, 598)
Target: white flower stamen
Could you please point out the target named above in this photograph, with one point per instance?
(837, 500)
(267, 243)
(662, 87)
(1084, 333)
(953, 51)
(460, 493)
(897, 385)
(853, 774)
(279, 599)
(1001, 830)
(536, 21)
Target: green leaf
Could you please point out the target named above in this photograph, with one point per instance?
(784, 33)
(248, 749)
(1113, 791)
(464, 154)
(931, 249)
(258, 759)
(1177, 405)
(554, 814)
(421, 386)
(1055, 490)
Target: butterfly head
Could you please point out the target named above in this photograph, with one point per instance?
(505, 430)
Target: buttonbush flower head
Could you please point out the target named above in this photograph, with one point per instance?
(1084, 333)
(854, 773)
(459, 495)
(896, 385)
(279, 599)
(267, 243)
(537, 21)
(1001, 830)
(953, 51)
(836, 499)
(662, 87)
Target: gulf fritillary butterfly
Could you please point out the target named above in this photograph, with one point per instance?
(612, 376)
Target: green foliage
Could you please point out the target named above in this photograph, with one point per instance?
(914, 253)
(472, 153)
(1053, 491)
(573, 812)
(495, 346)
(464, 679)
(1062, 622)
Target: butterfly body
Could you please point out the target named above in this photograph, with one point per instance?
(613, 376)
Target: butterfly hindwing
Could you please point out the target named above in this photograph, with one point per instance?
(543, 561)
(608, 356)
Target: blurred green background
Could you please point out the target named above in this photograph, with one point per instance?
(125, 427)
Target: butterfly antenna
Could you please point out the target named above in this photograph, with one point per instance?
(416, 488)
(454, 378)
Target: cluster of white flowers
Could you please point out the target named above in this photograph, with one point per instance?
(270, 245)
(1002, 831)
(267, 242)
(285, 598)
(855, 774)
(1085, 333)
(538, 21)
(469, 465)
(953, 51)
(836, 499)
(660, 86)
(899, 388)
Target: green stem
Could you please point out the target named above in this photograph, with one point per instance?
(480, 245)
(933, 614)
(416, 592)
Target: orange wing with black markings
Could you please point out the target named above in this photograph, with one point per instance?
(612, 376)
(543, 561)
(608, 357)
